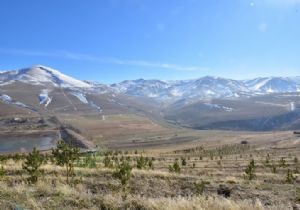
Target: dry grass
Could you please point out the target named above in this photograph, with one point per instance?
(96, 188)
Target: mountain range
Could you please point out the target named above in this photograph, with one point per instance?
(265, 103)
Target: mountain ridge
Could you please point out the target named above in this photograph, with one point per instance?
(206, 102)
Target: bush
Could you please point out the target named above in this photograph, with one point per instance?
(250, 170)
(183, 161)
(2, 172)
(297, 194)
(123, 173)
(199, 187)
(224, 191)
(290, 178)
(107, 162)
(175, 167)
(32, 164)
(141, 162)
(89, 161)
(295, 160)
(66, 155)
(282, 162)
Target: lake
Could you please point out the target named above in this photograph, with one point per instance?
(25, 143)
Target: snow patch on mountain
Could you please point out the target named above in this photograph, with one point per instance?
(293, 107)
(219, 107)
(8, 100)
(80, 96)
(96, 106)
(44, 98)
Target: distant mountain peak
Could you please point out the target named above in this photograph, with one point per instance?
(41, 75)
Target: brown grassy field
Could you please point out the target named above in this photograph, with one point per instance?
(212, 170)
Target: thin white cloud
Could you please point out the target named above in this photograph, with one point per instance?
(110, 60)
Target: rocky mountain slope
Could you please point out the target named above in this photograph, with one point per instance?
(204, 103)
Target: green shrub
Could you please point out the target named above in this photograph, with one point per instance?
(295, 160)
(250, 170)
(199, 187)
(32, 164)
(123, 173)
(282, 162)
(2, 172)
(290, 178)
(141, 162)
(107, 162)
(66, 155)
(175, 167)
(297, 192)
(183, 162)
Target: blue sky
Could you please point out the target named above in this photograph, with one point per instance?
(114, 40)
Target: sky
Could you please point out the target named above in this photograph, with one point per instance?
(114, 40)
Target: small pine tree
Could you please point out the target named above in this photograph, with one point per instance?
(282, 162)
(250, 170)
(183, 162)
(175, 167)
(267, 159)
(32, 164)
(123, 173)
(66, 155)
(295, 160)
(199, 188)
(2, 172)
(107, 162)
(290, 178)
(141, 162)
(150, 165)
(274, 168)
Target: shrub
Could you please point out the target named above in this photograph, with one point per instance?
(141, 162)
(274, 168)
(224, 191)
(89, 161)
(199, 187)
(183, 162)
(250, 170)
(282, 162)
(150, 164)
(267, 159)
(123, 173)
(175, 167)
(2, 172)
(297, 194)
(32, 164)
(290, 178)
(66, 155)
(295, 160)
(107, 162)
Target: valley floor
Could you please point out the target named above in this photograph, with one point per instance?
(211, 173)
(208, 172)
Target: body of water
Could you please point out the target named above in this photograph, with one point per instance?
(10, 144)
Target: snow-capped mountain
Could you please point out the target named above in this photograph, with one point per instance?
(207, 88)
(163, 91)
(273, 85)
(207, 102)
(41, 75)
